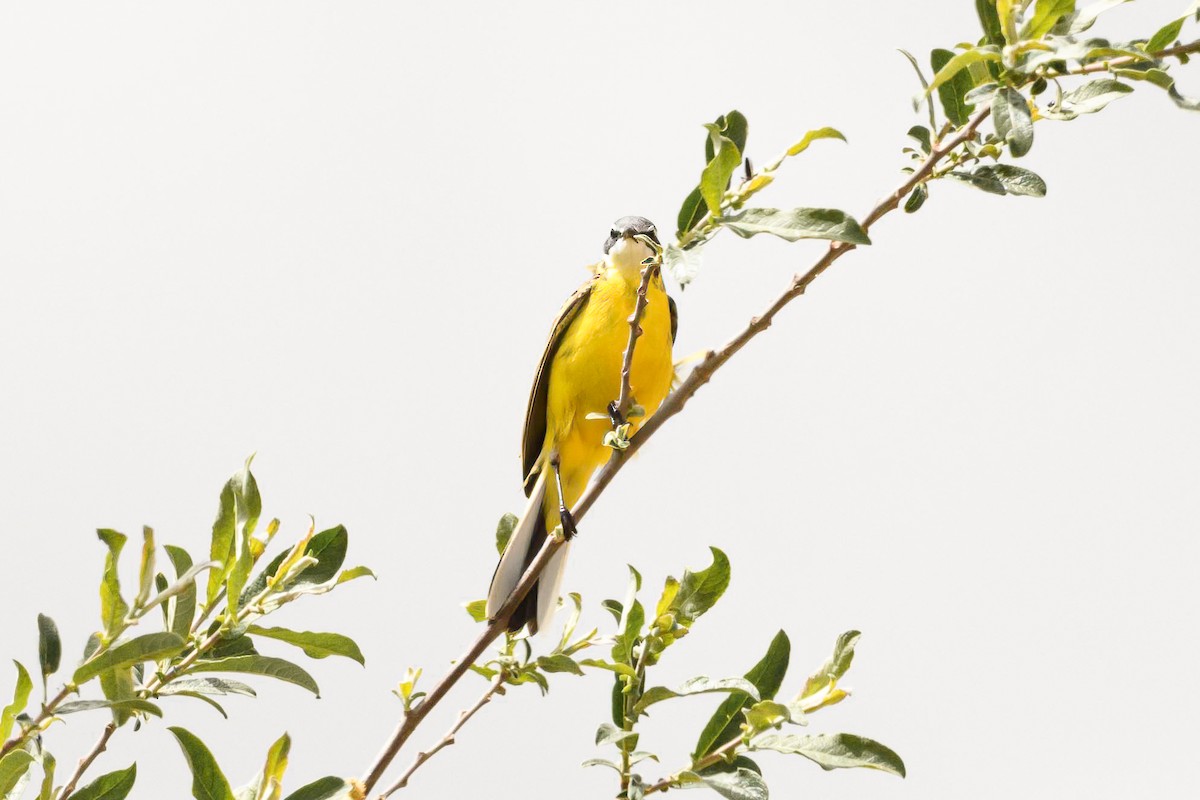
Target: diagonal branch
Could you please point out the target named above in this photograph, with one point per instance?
(674, 403)
(715, 359)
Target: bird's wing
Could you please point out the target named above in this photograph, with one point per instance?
(674, 317)
(534, 435)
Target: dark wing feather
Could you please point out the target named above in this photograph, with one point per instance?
(534, 435)
(674, 317)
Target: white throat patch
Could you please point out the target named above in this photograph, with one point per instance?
(627, 255)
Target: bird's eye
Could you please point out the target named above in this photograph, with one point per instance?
(613, 233)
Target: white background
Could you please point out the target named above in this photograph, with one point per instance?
(335, 235)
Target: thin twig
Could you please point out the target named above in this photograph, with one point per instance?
(1158, 55)
(493, 630)
(635, 331)
(86, 761)
(714, 757)
(150, 690)
(497, 686)
(47, 711)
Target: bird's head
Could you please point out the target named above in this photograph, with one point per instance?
(630, 242)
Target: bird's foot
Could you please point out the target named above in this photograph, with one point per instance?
(614, 414)
(568, 523)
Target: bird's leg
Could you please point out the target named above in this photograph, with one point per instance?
(564, 513)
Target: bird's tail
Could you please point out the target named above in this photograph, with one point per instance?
(530, 532)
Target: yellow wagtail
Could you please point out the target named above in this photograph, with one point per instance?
(572, 403)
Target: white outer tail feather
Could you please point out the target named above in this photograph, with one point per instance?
(512, 562)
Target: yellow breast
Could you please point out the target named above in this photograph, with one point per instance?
(585, 375)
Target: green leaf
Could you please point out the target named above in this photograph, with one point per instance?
(208, 782)
(692, 212)
(993, 33)
(1014, 124)
(327, 788)
(766, 676)
(113, 608)
(148, 647)
(961, 61)
(692, 686)
(1186, 103)
(276, 668)
(767, 714)
(953, 92)
(221, 549)
(717, 173)
(834, 667)
(113, 786)
(797, 223)
(557, 662)
(13, 767)
(1004, 179)
(314, 645)
(477, 609)
(49, 646)
(20, 698)
(834, 751)
(633, 619)
(46, 791)
(681, 265)
(208, 685)
(1088, 99)
(117, 685)
(1166, 35)
(269, 782)
(146, 568)
(504, 531)
(699, 591)
(733, 125)
(329, 548)
(1046, 16)
(185, 600)
(611, 734)
(920, 194)
(812, 136)
(620, 669)
(743, 784)
(132, 704)
(355, 572)
(921, 134)
(1084, 19)
(601, 762)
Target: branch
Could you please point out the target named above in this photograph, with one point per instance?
(494, 628)
(47, 712)
(715, 359)
(712, 361)
(1105, 66)
(635, 331)
(496, 687)
(714, 757)
(86, 761)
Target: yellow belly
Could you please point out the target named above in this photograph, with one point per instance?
(585, 377)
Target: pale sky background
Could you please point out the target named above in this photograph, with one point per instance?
(335, 234)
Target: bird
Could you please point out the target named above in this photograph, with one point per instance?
(571, 406)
